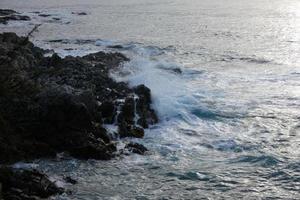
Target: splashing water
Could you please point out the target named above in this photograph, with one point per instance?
(224, 78)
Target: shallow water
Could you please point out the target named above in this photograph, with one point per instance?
(230, 122)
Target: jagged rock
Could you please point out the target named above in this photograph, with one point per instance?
(136, 148)
(137, 132)
(143, 92)
(92, 151)
(101, 133)
(128, 111)
(51, 104)
(25, 184)
(146, 114)
(127, 130)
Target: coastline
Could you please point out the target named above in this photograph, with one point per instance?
(51, 105)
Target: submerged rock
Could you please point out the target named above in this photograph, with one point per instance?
(68, 179)
(136, 148)
(79, 13)
(26, 184)
(7, 15)
(45, 15)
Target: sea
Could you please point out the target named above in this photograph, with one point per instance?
(225, 82)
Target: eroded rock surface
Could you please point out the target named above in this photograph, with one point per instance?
(51, 104)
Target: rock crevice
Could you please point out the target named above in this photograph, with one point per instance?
(51, 104)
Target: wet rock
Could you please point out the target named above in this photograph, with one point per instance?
(108, 111)
(26, 184)
(136, 148)
(177, 71)
(137, 132)
(79, 13)
(116, 46)
(146, 114)
(51, 104)
(127, 130)
(128, 111)
(56, 41)
(143, 92)
(44, 15)
(4, 12)
(7, 15)
(68, 179)
(100, 133)
(93, 151)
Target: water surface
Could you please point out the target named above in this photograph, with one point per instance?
(230, 122)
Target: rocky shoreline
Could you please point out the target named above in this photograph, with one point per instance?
(50, 105)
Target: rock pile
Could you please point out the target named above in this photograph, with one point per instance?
(51, 104)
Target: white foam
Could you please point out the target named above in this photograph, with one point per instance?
(22, 165)
(168, 89)
(105, 42)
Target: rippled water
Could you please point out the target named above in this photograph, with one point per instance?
(230, 122)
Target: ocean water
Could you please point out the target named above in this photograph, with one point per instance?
(225, 81)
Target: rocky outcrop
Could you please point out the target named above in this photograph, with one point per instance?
(7, 15)
(26, 185)
(51, 104)
(136, 148)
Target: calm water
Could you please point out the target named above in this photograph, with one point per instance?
(230, 123)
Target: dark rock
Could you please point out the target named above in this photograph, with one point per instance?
(146, 114)
(177, 71)
(7, 12)
(108, 111)
(100, 133)
(136, 148)
(137, 132)
(7, 15)
(128, 111)
(51, 104)
(68, 179)
(1, 196)
(93, 151)
(25, 184)
(143, 92)
(55, 41)
(79, 13)
(116, 46)
(127, 130)
(44, 15)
